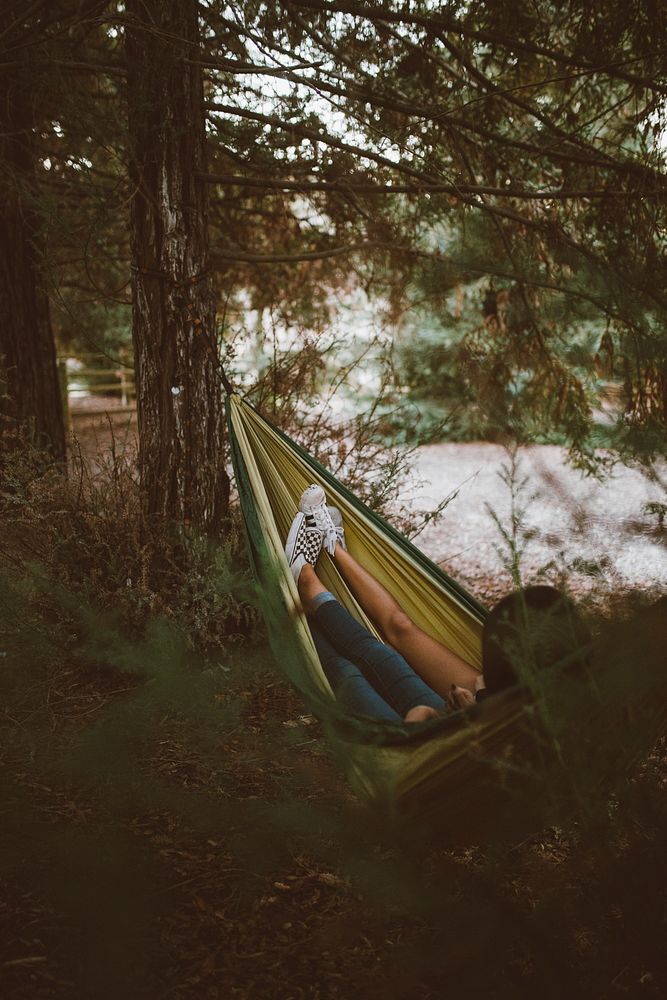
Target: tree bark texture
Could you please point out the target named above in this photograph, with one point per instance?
(29, 386)
(179, 395)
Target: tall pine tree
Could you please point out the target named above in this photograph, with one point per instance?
(29, 389)
(179, 395)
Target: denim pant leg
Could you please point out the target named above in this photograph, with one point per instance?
(349, 684)
(391, 676)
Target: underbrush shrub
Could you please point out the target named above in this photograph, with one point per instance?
(84, 532)
(179, 808)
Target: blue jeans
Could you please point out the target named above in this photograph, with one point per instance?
(366, 676)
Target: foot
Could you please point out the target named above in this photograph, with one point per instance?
(421, 713)
(313, 504)
(337, 521)
(460, 697)
(303, 545)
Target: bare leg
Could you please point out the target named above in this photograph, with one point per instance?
(439, 666)
(309, 586)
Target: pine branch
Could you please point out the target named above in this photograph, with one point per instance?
(437, 23)
(429, 187)
(294, 258)
(315, 136)
(582, 153)
(71, 65)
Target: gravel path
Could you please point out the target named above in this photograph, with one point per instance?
(596, 535)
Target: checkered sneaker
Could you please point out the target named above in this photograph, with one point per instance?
(313, 504)
(304, 544)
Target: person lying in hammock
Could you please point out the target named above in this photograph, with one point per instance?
(412, 677)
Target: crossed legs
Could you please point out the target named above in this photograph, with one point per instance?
(368, 676)
(438, 666)
(414, 673)
(435, 663)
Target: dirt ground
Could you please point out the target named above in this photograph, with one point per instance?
(155, 847)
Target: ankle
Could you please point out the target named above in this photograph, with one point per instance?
(305, 579)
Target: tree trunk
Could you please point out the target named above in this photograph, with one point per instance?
(179, 395)
(29, 386)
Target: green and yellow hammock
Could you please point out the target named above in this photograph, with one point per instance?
(485, 772)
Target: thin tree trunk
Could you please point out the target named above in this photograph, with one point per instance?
(29, 388)
(179, 395)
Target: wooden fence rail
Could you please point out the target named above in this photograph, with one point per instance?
(87, 377)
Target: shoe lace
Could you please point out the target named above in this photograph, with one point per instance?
(322, 521)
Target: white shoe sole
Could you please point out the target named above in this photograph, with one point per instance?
(292, 536)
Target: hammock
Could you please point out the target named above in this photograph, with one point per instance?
(488, 771)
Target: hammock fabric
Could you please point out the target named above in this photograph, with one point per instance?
(475, 773)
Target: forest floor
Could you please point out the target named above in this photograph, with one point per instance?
(190, 836)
